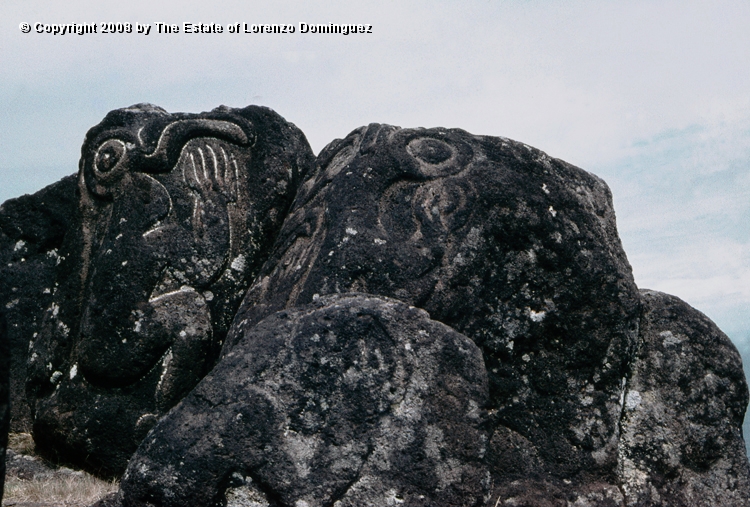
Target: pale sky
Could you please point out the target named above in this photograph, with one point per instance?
(653, 96)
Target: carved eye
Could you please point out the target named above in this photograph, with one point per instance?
(430, 151)
(108, 155)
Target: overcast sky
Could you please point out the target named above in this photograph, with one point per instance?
(653, 96)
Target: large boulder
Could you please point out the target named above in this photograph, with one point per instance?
(353, 400)
(681, 442)
(528, 383)
(175, 215)
(33, 229)
(514, 249)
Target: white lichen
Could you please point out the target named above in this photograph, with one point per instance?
(537, 316)
(239, 263)
(632, 400)
(669, 338)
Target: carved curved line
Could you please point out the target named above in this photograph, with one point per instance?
(155, 228)
(195, 169)
(195, 128)
(216, 165)
(165, 360)
(393, 188)
(426, 167)
(203, 164)
(236, 169)
(154, 367)
(184, 179)
(104, 174)
(157, 225)
(314, 251)
(196, 206)
(226, 163)
(184, 288)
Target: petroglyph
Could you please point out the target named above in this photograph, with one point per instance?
(177, 214)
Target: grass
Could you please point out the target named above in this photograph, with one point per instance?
(70, 491)
(22, 443)
(65, 488)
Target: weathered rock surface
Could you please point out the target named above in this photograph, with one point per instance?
(352, 400)
(32, 232)
(175, 214)
(512, 248)
(32, 468)
(528, 383)
(681, 442)
(4, 398)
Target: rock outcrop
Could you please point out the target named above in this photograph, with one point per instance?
(33, 229)
(4, 398)
(514, 249)
(681, 441)
(175, 214)
(422, 317)
(352, 400)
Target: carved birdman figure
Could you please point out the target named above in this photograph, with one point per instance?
(177, 213)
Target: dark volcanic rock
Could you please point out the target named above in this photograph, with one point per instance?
(512, 248)
(32, 232)
(352, 400)
(681, 442)
(4, 398)
(528, 383)
(175, 215)
(32, 468)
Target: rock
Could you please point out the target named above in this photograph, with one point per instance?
(28, 476)
(681, 442)
(33, 229)
(528, 383)
(111, 500)
(548, 492)
(512, 248)
(352, 400)
(32, 468)
(175, 215)
(4, 398)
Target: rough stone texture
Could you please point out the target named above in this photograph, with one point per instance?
(115, 500)
(352, 400)
(4, 398)
(175, 215)
(681, 442)
(31, 468)
(510, 247)
(527, 384)
(32, 232)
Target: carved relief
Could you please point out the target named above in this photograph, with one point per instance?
(475, 230)
(177, 213)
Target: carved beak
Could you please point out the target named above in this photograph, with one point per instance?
(116, 155)
(178, 133)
